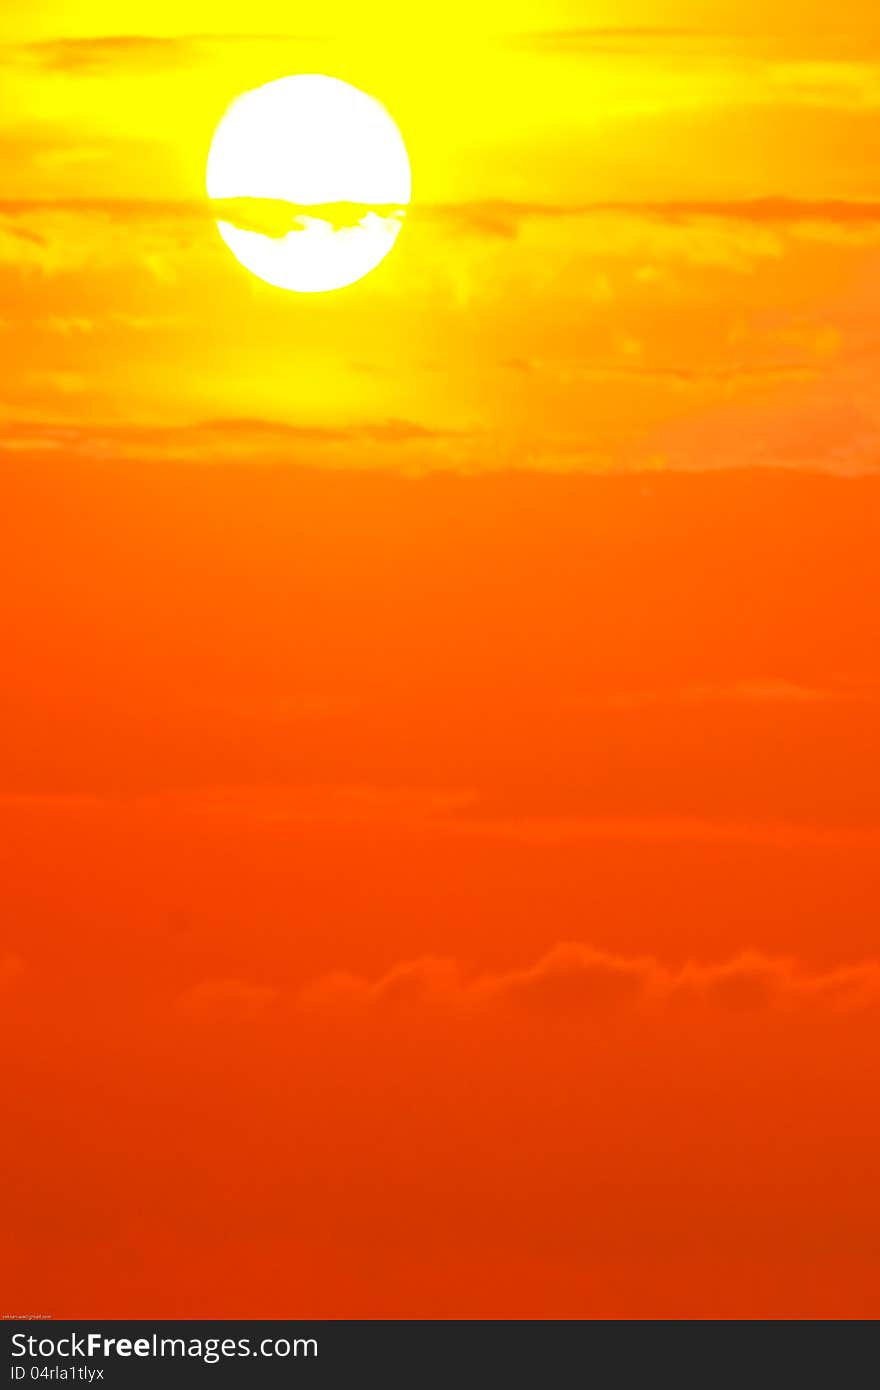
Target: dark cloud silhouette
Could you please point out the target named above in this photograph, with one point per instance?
(273, 217)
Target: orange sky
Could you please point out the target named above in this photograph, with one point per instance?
(439, 770)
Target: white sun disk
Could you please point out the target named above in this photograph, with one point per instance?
(311, 140)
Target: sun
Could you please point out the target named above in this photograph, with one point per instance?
(311, 181)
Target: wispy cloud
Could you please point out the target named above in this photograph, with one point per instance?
(110, 53)
(63, 233)
(237, 440)
(230, 1000)
(726, 377)
(503, 218)
(490, 214)
(114, 54)
(770, 38)
(599, 39)
(575, 981)
(69, 325)
(450, 813)
(770, 691)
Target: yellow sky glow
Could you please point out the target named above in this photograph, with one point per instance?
(628, 228)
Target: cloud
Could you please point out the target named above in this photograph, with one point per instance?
(69, 325)
(75, 325)
(770, 691)
(798, 44)
(51, 148)
(234, 440)
(144, 323)
(733, 235)
(448, 813)
(496, 215)
(833, 429)
(575, 982)
(138, 54)
(599, 39)
(664, 70)
(68, 235)
(500, 217)
(487, 819)
(273, 217)
(47, 421)
(110, 54)
(63, 383)
(725, 378)
(60, 236)
(225, 1000)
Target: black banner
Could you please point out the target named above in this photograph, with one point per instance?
(109, 1354)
